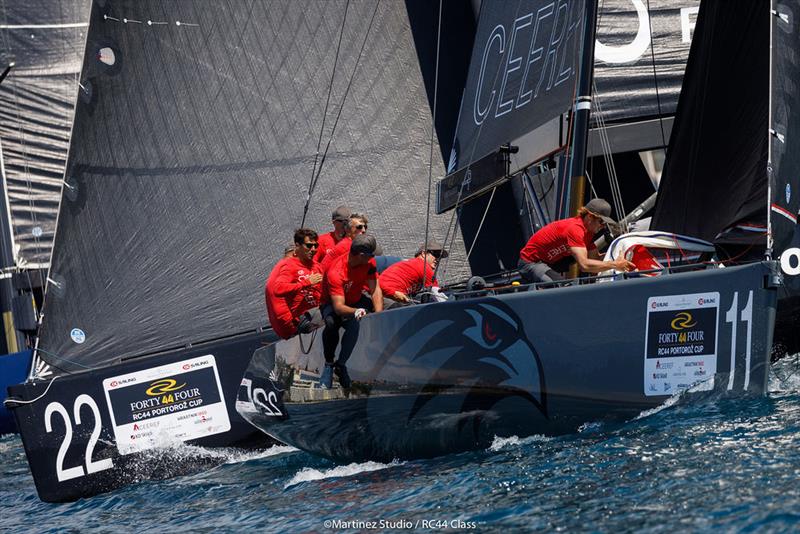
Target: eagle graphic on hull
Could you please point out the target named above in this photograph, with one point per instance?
(477, 349)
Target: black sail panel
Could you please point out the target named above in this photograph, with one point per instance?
(195, 135)
(715, 173)
(785, 125)
(522, 75)
(640, 56)
(45, 39)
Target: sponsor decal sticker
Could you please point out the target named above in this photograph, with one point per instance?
(681, 336)
(163, 405)
(77, 335)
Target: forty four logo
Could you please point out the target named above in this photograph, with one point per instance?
(682, 321)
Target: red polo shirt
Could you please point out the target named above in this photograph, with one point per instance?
(341, 279)
(327, 242)
(342, 248)
(406, 276)
(289, 294)
(552, 243)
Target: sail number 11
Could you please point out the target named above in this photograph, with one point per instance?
(733, 316)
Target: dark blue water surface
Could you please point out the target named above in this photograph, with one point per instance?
(714, 464)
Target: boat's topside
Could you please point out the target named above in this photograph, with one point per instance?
(448, 376)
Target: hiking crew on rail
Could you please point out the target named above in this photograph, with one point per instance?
(333, 280)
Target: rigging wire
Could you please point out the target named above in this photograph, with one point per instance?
(430, 155)
(325, 114)
(315, 179)
(480, 226)
(605, 143)
(655, 79)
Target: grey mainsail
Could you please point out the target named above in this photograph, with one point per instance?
(195, 134)
(44, 39)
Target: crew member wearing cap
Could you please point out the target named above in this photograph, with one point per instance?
(293, 289)
(328, 241)
(542, 258)
(356, 224)
(344, 305)
(408, 277)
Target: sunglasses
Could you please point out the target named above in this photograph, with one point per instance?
(361, 227)
(311, 245)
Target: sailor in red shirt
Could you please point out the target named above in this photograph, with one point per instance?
(569, 239)
(344, 305)
(408, 277)
(293, 289)
(328, 241)
(356, 224)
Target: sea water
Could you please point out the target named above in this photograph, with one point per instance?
(716, 464)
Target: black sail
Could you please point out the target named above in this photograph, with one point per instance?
(715, 173)
(195, 134)
(521, 80)
(45, 40)
(640, 58)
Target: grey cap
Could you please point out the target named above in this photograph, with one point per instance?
(601, 208)
(363, 244)
(433, 247)
(342, 213)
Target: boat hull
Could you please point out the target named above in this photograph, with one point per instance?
(98, 430)
(447, 377)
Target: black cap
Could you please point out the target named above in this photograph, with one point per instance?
(601, 208)
(363, 244)
(342, 213)
(433, 247)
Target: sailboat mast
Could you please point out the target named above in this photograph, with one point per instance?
(582, 110)
(13, 340)
(770, 134)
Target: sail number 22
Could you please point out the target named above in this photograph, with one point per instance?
(91, 466)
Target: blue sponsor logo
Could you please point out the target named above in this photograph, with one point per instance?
(77, 335)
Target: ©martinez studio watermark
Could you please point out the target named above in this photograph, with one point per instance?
(400, 524)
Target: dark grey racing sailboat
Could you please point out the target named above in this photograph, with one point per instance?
(513, 360)
(196, 131)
